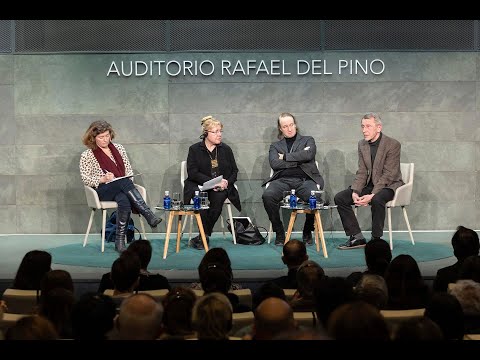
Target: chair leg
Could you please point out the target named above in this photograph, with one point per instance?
(230, 216)
(408, 224)
(104, 223)
(191, 228)
(270, 231)
(389, 216)
(223, 226)
(142, 226)
(88, 227)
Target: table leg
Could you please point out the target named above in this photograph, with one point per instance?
(319, 229)
(179, 231)
(202, 231)
(167, 235)
(290, 225)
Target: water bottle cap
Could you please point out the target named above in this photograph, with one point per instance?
(293, 191)
(197, 192)
(167, 193)
(313, 192)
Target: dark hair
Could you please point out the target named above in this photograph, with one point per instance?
(294, 253)
(465, 243)
(55, 279)
(96, 128)
(217, 256)
(35, 264)
(33, 327)
(92, 316)
(265, 291)
(445, 310)
(377, 256)
(143, 249)
(125, 271)
(177, 315)
(470, 269)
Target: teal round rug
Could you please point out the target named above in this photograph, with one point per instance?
(243, 257)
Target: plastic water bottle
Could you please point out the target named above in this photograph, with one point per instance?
(196, 201)
(312, 201)
(167, 201)
(293, 200)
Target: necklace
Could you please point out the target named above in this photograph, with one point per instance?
(214, 161)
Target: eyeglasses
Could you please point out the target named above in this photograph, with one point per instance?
(218, 132)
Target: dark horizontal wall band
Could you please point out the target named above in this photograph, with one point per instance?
(84, 36)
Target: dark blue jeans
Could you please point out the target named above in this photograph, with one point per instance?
(116, 191)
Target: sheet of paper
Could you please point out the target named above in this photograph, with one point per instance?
(210, 184)
(123, 177)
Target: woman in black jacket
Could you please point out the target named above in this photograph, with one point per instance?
(206, 160)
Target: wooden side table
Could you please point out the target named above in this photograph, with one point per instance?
(318, 226)
(180, 213)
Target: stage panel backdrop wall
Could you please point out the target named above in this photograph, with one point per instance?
(427, 100)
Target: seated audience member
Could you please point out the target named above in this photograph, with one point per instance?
(465, 243)
(177, 317)
(93, 316)
(220, 256)
(56, 279)
(377, 257)
(139, 318)
(34, 327)
(372, 289)
(273, 316)
(406, 287)
(57, 305)
(467, 293)
(308, 275)
(470, 269)
(445, 310)
(357, 321)
(148, 280)
(330, 293)
(35, 264)
(265, 291)
(212, 317)
(294, 254)
(125, 275)
(215, 278)
(418, 329)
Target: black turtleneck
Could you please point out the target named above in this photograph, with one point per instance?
(373, 153)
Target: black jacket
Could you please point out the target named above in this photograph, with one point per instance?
(199, 170)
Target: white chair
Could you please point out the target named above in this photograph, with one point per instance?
(270, 229)
(94, 203)
(183, 176)
(403, 195)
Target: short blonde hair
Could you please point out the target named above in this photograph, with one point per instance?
(207, 123)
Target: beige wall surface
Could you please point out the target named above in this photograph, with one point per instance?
(428, 101)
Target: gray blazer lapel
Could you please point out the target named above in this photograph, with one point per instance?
(296, 143)
(366, 155)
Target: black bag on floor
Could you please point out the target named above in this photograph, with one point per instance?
(111, 228)
(246, 232)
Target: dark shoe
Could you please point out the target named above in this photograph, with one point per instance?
(375, 238)
(307, 237)
(279, 238)
(353, 243)
(197, 242)
(138, 202)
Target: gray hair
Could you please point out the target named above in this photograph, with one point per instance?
(376, 118)
(468, 294)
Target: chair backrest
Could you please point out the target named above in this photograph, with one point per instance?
(244, 295)
(403, 194)
(241, 320)
(20, 301)
(289, 293)
(183, 173)
(407, 172)
(305, 319)
(9, 319)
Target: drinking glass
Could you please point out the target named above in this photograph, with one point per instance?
(204, 199)
(320, 200)
(176, 201)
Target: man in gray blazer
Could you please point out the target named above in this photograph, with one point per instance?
(377, 177)
(293, 162)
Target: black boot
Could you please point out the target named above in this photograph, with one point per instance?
(121, 232)
(139, 203)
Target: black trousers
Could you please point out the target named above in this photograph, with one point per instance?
(272, 198)
(344, 201)
(116, 191)
(210, 216)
